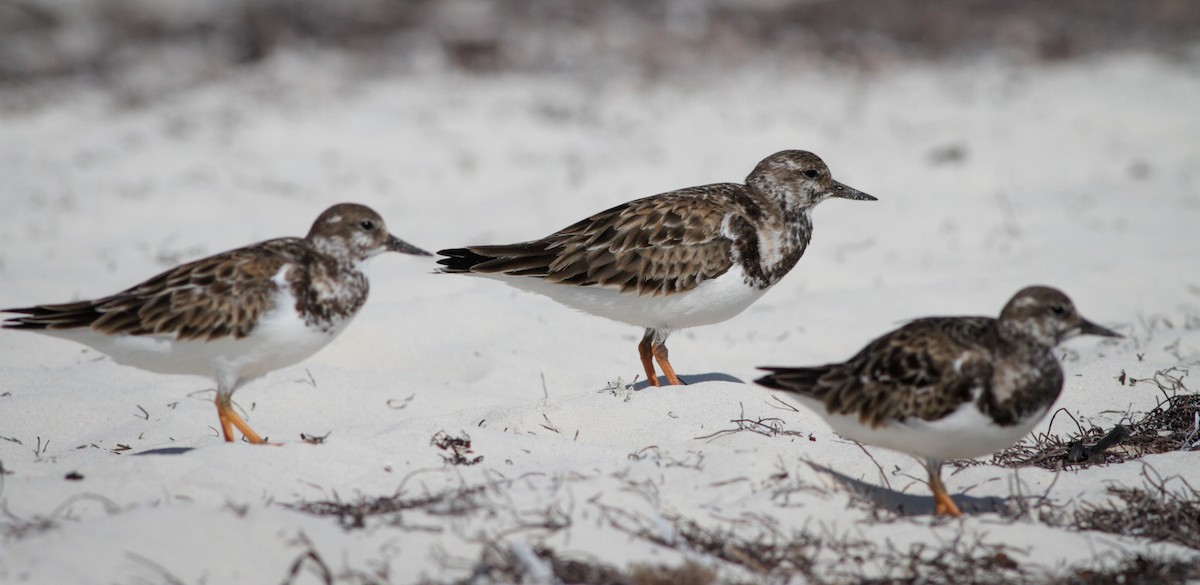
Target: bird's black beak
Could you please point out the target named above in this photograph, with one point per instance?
(1088, 328)
(395, 244)
(848, 192)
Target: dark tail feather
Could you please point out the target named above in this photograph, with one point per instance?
(460, 260)
(64, 316)
(526, 259)
(798, 380)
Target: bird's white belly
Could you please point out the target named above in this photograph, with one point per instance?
(964, 434)
(280, 339)
(712, 301)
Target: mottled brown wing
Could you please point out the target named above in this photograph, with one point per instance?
(655, 246)
(218, 296)
(926, 369)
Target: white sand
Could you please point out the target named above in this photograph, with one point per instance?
(1084, 176)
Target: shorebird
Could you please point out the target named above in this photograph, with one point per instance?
(685, 258)
(944, 388)
(237, 315)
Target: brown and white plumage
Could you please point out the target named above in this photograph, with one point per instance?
(654, 246)
(236, 315)
(946, 388)
(680, 259)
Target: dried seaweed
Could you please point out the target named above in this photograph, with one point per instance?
(775, 555)
(1173, 425)
(15, 527)
(768, 553)
(758, 548)
(959, 562)
(1135, 570)
(540, 564)
(459, 448)
(765, 426)
(1163, 510)
(455, 502)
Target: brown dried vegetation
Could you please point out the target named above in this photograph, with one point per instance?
(1173, 425)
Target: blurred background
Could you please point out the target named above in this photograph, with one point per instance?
(116, 42)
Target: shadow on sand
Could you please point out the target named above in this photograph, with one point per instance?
(914, 504)
(165, 451)
(693, 379)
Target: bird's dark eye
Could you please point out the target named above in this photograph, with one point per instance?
(1058, 309)
(811, 173)
(367, 225)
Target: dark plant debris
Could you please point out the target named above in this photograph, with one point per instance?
(1163, 510)
(519, 565)
(774, 558)
(757, 549)
(1135, 570)
(925, 566)
(1173, 425)
(456, 502)
(459, 448)
(13, 527)
(780, 556)
(314, 439)
(765, 426)
(315, 565)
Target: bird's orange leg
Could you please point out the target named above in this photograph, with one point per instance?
(660, 354)
(229, 418)
(943, 505)
(226, 425)
(647, 354)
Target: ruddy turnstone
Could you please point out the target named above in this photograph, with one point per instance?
(689, 257)
(944, 388)
(237, 315)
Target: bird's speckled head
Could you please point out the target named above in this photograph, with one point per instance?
(355, 233)
(799, 179)
(1047, 315)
